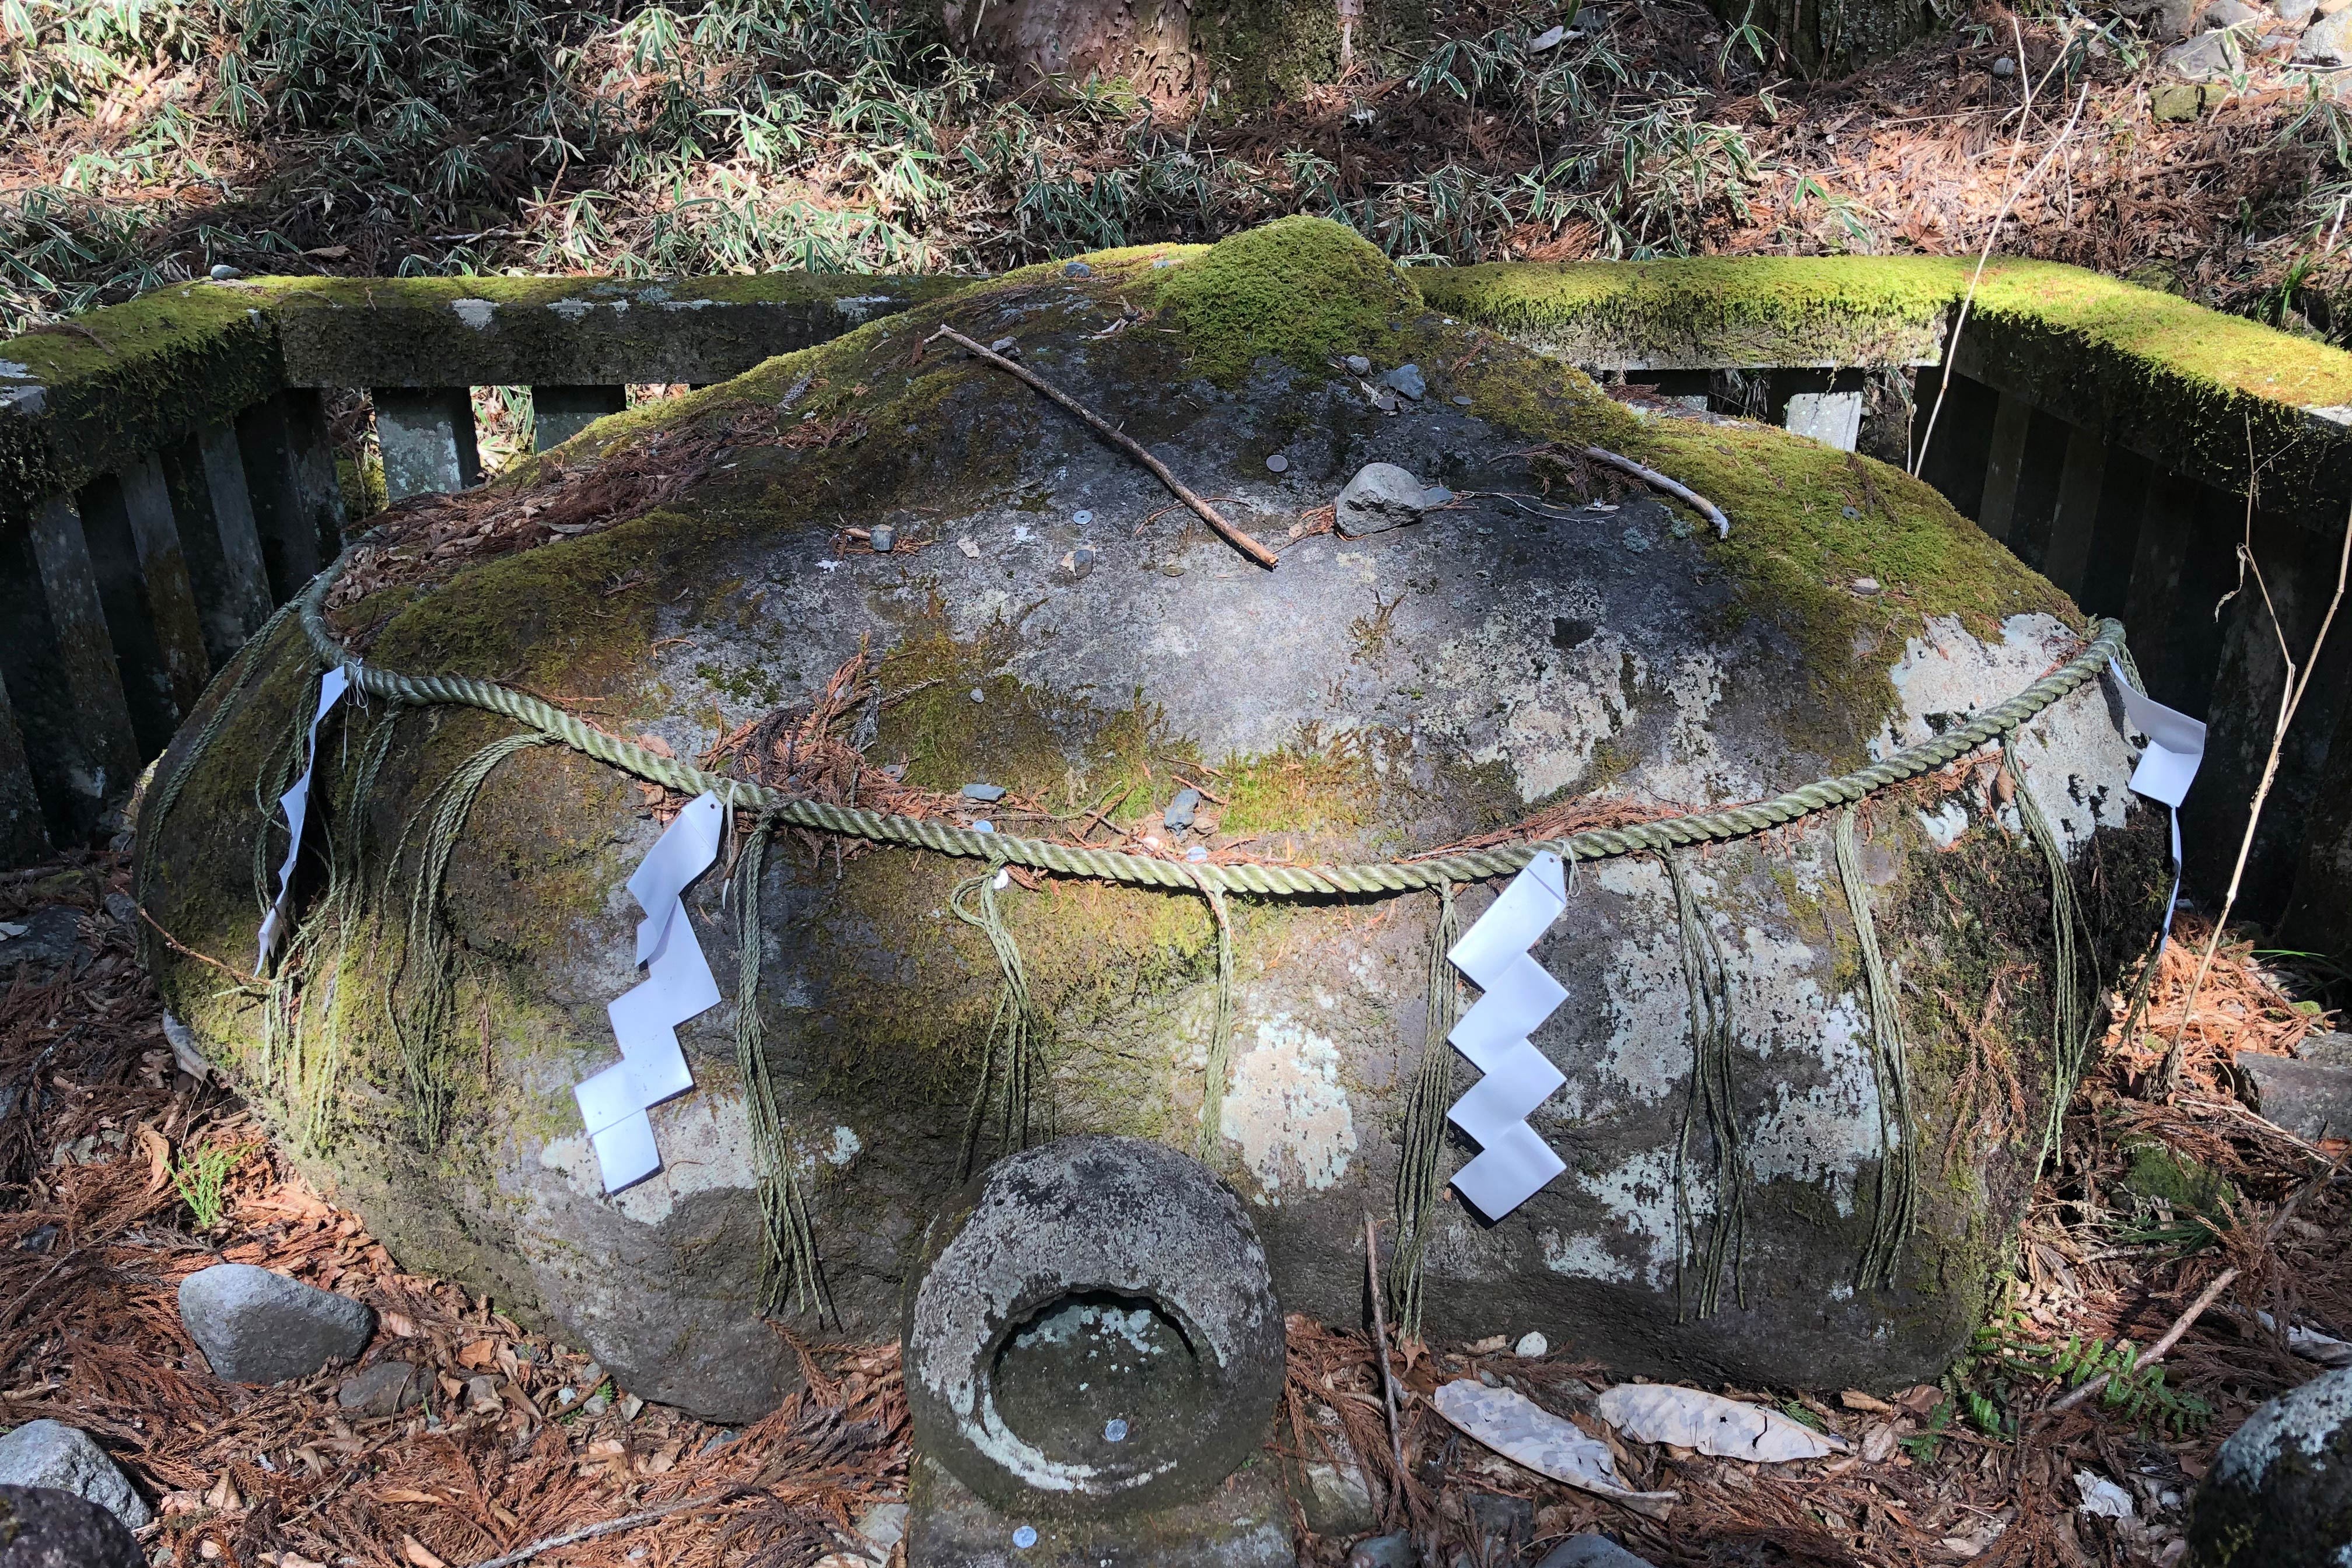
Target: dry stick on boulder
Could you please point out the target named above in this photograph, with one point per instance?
(2297, 682)
(1681, 492)
(1209, 514)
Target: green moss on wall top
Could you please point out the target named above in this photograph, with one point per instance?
(2167, 336)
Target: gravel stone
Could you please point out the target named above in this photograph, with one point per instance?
(43, 1454)
(1406, 379)
(1380, 497)
(255, 1326)
(388, 1388)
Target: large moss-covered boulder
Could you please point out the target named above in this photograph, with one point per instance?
(1048, 624)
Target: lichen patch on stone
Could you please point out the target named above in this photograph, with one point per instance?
(1287, 1110)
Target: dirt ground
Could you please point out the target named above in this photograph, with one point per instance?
(104, 1146)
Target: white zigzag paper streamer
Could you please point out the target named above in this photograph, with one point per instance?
(677, 985)
(1513, 1163)
(2176, 746)
(295, 804)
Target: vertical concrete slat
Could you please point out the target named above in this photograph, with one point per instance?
(289, 472)
(2076, 515)
(58, 665)
(2040, 468)
(1954, 455)
(2124, 480)
(2004, 456)
(427, 438)
(24, 835)
(171, 594)
(2318, 917)
(2153, 597)
(140, 658)
(560, 412)
(207, 479)
(2299, 568)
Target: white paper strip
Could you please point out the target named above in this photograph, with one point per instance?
(1513, 1163)
(295, 804)
(678, 984)
(2176, 746)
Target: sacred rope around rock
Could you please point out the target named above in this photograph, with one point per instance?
(1012, 1057)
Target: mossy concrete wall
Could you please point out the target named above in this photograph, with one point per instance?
(2189, 387)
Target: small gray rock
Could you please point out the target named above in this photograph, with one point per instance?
(51, 941)
(2233, 14)
(883, 538)
(1004, 346)
(1076, 269)
(1382, 496)
(884, 1524)
(2164, 21)
(1180, 810)
(1336, 1500)
(1384, 1552)
(1277, 464)
(44, 1527)
(1080, 562)
(2328, 43)
(2295, 13)
(1590, 1552)
(388, 1388)
(983, 792)
(124, 909)
(222, 272)
(2211, 54)
(1461, 400)
(255, 1326)
(50, 1454)
(1406, 379)
(1358, 363)
(2309, 1094)
(2004, 67)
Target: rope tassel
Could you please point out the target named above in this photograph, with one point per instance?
(1012, 1031)
(1711, 1095)
(2068, 1025)
(422, 1036)
(1221, 1032)
(1898, 1160)
(790, 1249)
(1421, 1175)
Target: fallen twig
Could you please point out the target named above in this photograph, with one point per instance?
(1208, 514)
(2155, 1351)
(613, 1527)
(1656, 480)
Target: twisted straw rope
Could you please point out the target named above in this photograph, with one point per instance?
(1111, 865)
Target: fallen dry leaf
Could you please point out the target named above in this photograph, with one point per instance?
(159, 1157)
(414, 1551)
(398, 1325)
(478, 1355)
(1855, 1399)
(410, 1494)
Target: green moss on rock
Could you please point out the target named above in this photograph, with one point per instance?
(1300, 289)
